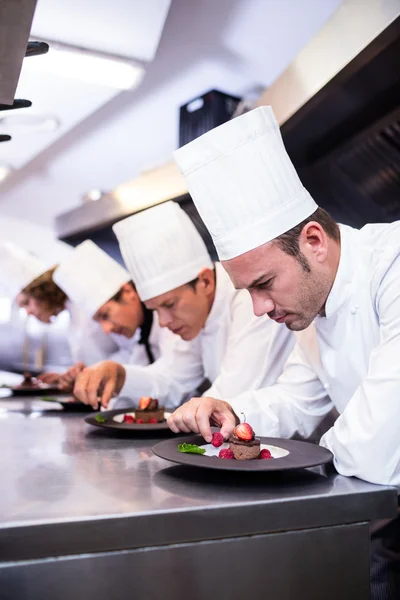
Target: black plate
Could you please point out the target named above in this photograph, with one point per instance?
(301, 455)
(69, 403)
(111, 424)
(43, 390)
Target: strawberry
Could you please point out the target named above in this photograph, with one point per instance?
(139, 421)
(244, 432)
(144, 402)
(217, 439)
(152, 420)
(129, 419)
(265, 454)
(226, 453)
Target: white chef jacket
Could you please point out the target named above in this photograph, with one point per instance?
(350, 360)
(235, 350)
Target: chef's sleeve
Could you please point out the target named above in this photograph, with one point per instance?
(295, 406)
(172, 378)
(255, 353)
(365, 439)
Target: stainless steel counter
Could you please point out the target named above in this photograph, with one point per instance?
(70, 490)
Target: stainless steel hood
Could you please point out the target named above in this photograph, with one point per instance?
(338, 105)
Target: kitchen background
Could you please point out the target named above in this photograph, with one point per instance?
(87, 153)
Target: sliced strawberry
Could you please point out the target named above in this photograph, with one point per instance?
(144, 402)
(244, 432)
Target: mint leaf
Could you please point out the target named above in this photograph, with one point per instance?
(48, 399)
(192, 448)
(100, 419)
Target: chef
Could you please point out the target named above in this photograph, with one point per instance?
(103, 291)
(299, 265)
(30, 282)
(213, 331)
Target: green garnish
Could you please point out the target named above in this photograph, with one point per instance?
(100, 419)
(193, 448)
(48, 399)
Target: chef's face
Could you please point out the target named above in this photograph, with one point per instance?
(287, 290)
(35, 307)
(122, 316)
(184, 310)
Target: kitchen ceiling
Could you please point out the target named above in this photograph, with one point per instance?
(106, 136)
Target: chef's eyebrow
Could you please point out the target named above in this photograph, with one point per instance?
(262, 279)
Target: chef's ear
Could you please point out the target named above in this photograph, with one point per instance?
(314, 241)
(206, 278)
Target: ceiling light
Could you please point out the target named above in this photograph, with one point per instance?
(94, 195)
(88, 66)
(4, 172)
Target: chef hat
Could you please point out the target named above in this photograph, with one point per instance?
(18, 268)
(243, 183)
(90, 277)
(162, 249)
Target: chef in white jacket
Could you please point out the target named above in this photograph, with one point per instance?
(29, 282)
(214, 330)
(299, 265)
(103, 291)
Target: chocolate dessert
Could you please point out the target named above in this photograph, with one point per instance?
(243, 443)
(149, 411)
(28, 382)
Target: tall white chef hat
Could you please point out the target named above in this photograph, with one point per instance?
(90, 277)
(18, 268)
(243, 183)
(162, 249)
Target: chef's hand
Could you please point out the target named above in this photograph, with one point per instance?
(196, 415)
(100, 382)
(67, 379)
(49, 378)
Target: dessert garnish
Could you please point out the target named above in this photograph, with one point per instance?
(100, 419)
(190, 448)
(217, 439)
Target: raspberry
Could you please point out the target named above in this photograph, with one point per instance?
(152, 420)
(244, 432)
(129, 419)
(140, 421)
(265, 454)
(226, 453)
(217, 439)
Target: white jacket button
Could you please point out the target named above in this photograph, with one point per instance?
(354, 310)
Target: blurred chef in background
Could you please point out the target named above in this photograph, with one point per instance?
(30, 283)
(216, 336)
(102, 289)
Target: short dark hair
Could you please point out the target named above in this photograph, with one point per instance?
(117, 297)
(44, 289)
(289, 241)
(194, 281)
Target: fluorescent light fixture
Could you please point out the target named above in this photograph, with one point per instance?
(88, 66)
(4, 172)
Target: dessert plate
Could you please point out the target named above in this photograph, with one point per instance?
(287, 454)
(114, 420)
(39, 389)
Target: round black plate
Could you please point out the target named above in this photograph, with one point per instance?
(69, 403)
(301, 455)
(43, 390)
(111, 424)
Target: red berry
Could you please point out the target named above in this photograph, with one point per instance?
(265, 454)
(144, 402)
(152, 420)
(217, 439)
(244, 432)
(140, 421)
(226, 453)
(129, 419)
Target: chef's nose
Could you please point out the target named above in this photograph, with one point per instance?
(164, 318)
(107, 327)
(262, 305)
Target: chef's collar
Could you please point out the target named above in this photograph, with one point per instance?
(145, 332)
(220, 299)
(342, 285)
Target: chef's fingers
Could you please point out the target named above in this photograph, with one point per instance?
(93, 388)
(204, 412)
(81, 388)
(171, 424)
(179, 420)
(189, 412)
(228, 422)
(108, 391)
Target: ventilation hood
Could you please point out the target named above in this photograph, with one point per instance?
(338, 105)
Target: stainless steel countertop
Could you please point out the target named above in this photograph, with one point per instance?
(68, 488)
